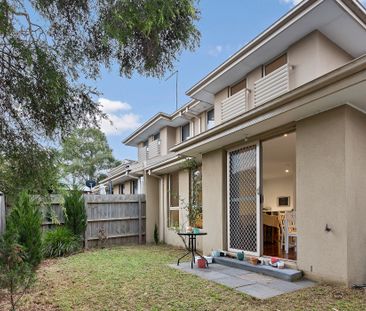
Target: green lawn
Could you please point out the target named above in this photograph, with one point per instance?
(138, 278)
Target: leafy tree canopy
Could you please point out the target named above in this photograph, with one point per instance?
(48, 46)
(86, 155)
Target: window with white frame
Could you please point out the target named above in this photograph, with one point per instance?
(173, 200)
(185, 132)
(210, 119)
(156, 136)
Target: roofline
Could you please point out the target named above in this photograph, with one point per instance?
(157, 117)
(354, 5)
(153, 119)
(353, 67)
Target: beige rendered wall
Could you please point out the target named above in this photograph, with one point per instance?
(152, 205)
(321, 195)
(313, 56)
(167, 139)
(356, 195)
(213, 200)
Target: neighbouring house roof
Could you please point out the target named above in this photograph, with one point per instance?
(160, 120)
(342, 21)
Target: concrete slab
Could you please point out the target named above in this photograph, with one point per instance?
(259, 291)
(257, 285)
(233, 282)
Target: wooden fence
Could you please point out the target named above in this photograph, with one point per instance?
(120, 218)
(112, 219)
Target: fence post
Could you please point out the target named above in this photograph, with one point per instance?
(140, 219)
(87, 223)
(2, 213)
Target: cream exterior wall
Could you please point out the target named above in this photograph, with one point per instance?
(152, 205)
(313, 56)
(214, 200)
(356, 195)
(167, 139)
(330, 149)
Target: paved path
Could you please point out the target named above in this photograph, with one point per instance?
(253, 284)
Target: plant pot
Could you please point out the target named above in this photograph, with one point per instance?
(240, 256)
(201, 263)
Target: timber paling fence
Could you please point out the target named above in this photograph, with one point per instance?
(112, 219)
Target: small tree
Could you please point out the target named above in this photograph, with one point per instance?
(25, 219)
(16, 274)
(75, 213)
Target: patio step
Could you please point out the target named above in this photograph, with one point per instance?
(283, 274)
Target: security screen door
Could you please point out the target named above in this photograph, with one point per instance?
(244, 200)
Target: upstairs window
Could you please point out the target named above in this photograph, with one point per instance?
(241, 85)
(156, 136)
(145, 143)
(210, 119)
(275, 64)
(185, 132)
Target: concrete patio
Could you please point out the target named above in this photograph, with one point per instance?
(251, 283)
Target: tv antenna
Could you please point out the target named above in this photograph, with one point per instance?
(176, 87)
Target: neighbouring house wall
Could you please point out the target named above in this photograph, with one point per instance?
(276, 187)
(213, 200)
(116, 189)
(356, 195)
(152, 205)
(324, 57)
(321, 196)
(127, 189)
(167, 139)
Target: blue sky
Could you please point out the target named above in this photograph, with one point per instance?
(225, 26)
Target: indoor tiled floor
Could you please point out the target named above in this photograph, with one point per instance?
(253, 284)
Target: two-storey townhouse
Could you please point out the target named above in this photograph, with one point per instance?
(279, 130)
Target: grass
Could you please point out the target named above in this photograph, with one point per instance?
(138, 278)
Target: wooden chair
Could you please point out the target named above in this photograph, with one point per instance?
(290, 231)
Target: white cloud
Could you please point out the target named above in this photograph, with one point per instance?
(113, 105)
(216, 50)
(292, 2)
(118, 120)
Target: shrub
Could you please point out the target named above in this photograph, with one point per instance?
(25, 220)
(16, 274)
(156, 235)
(75, 213)
(60, 242)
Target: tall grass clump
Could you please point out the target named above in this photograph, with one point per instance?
(60, 242)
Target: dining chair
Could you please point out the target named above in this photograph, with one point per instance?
(290, 230)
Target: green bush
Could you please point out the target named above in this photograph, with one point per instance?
(60, 242)
(75, 213)
(25, 219)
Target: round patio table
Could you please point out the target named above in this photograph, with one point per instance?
(192, 246)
